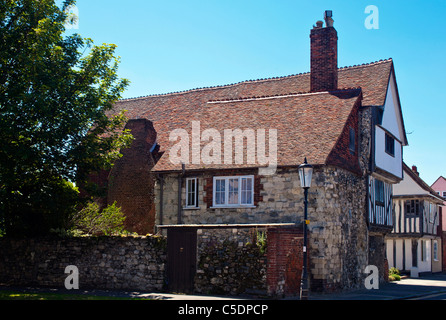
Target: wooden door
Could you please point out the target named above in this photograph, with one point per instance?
(181, 259)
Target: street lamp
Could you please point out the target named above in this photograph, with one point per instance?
(306, 174)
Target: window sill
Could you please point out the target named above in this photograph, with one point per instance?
(233, 207)
(191, 208)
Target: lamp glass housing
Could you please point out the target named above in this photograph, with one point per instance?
(305, 174)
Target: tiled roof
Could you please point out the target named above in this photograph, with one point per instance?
(307, 123)
(301, 130)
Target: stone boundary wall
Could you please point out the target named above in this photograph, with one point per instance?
(230, 262)
(117, 263)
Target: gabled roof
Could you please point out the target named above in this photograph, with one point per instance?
(440, 179)
(415, 177)
(373, 78)
(308, 124)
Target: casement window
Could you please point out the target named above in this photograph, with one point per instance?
(233, 191)
(191, 192)
(444, 194)
(390, 145)
(352, 143)
(413, 207)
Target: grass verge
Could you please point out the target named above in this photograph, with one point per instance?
(14, 295)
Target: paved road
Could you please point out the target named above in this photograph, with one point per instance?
(431, 287)
(437, 296)
(409, 288)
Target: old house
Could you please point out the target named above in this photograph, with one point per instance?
(229, 155)
(414, 245)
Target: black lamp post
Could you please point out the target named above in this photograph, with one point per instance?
(306, 174)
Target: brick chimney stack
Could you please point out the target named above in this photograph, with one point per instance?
(415, 170)
(324, 55)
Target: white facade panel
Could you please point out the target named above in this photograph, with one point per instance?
(392, 164)
(391, 116)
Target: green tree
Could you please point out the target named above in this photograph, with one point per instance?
(56, 91)
(91, 220)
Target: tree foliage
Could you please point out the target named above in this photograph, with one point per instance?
(56, 91)
(92, 221)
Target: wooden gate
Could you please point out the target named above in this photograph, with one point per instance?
(181, 259)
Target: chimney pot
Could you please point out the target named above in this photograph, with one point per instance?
(319, 24)
(328, 17)
(415, 170)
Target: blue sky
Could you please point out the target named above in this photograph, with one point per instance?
(175, 45)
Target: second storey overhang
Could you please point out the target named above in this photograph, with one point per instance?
(388, 135)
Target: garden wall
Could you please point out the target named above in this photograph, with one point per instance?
(136, 263)
(229, 262)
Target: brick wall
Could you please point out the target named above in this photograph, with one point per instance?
(324, 59)
(284, 258)
(341, 155)
(131, 182)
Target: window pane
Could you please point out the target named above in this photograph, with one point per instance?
(390, 145)
(220, 185)
(246, 191)
(219, 191)
(191, 195)
(352, 140)
(379, 192)
(233, 191)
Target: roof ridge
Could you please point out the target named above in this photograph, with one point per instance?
(247, 81)
(291, 94)
(367, 64)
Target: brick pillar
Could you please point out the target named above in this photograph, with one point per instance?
(284, 261)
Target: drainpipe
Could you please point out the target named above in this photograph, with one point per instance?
(180, 183)
(161, 180)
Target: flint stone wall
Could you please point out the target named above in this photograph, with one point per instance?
(230, 262)
(136, 263)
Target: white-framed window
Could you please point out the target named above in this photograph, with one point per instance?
(234, 191)
(191, 192)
